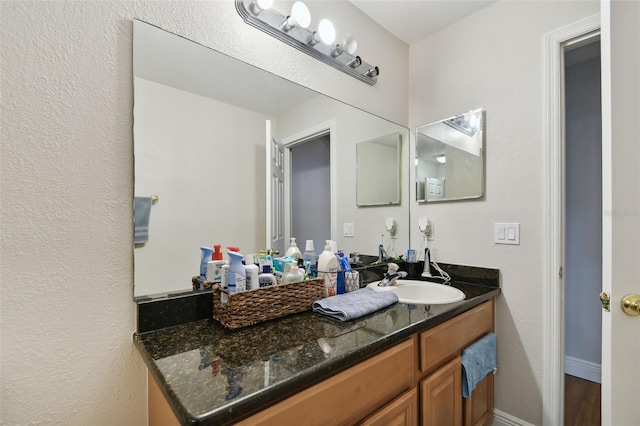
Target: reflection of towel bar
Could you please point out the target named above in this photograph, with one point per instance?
(154, 199)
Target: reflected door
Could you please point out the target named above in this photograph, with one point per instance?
(275, 191)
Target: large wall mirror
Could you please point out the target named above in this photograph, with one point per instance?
(450, 158)
(203, 125)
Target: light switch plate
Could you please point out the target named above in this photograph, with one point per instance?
(507, 233)
(347, 230)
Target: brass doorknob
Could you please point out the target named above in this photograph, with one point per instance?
(631, 304)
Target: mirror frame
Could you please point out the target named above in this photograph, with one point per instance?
(482, 131)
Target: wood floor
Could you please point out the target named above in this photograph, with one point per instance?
(581, 402)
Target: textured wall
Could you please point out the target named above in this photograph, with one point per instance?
(493, 59)
(67, 184)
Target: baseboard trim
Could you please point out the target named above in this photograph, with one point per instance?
(584, 369)
(500, 418)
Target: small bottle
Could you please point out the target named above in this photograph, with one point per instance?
(293, 251)
(252, 276)
(266, 278)
(310, 258)
(237, 275)
(328, 269)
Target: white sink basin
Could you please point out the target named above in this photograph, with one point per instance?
(421, 292)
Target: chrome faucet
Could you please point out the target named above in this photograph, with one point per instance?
(390, 279)
(382, 254)
(392, 276)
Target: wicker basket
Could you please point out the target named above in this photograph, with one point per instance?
(250, 307)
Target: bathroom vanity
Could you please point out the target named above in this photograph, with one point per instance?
(400, 365)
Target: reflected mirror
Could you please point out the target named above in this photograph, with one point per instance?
(379, 163)
(203, 126)
(450, 158)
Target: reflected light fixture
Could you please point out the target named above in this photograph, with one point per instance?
(292, 29)
(442, 159)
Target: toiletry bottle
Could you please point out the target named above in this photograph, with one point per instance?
(293, 250)
(205, 257)
(252, 276)
(310, 259)
(266, 278)
(224, 283)
(237, 275)
(217, 254)
(291, 274)
(344, 267)
(214, 266)
(214, 270)
(328, 269)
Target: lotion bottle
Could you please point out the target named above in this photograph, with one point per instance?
(293, 251)
(328, 269)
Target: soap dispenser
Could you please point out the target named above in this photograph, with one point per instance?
(293, 251)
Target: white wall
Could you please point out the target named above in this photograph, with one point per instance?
(67, 187)
(493, 59)
(211, 148)
(583, 252)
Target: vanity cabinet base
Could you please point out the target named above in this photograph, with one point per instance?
(160, 413)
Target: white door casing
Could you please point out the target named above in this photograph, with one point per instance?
(553, 308)
(274, 190)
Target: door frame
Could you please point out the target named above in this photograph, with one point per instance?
(582, 31)
(325, 128)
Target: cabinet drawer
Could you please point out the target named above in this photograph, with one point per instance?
(451, 337)
(348, 396)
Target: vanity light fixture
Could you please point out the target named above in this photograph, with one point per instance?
(292, 29)
(442, 159)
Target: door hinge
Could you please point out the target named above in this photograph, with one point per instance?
(560, 272)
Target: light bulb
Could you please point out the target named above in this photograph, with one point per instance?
(300, 14)
(259, 5)
(264, 4)
(326, 31)
(473, 121)
(350, 44)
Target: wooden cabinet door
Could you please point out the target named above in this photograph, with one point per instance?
(479, 408)
(402, 411)
(441, 396)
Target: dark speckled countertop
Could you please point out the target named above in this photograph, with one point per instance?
(212, 376)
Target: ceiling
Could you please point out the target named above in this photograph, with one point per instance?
(414, 20)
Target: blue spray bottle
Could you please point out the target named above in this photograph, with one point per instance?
(237, 280)
(205, 257)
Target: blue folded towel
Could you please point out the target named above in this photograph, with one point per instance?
(353, 305)
(478, 360)
(141, 214)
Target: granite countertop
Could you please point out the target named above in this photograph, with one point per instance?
(211, 375)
